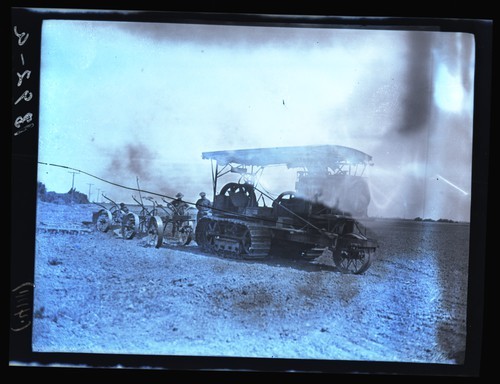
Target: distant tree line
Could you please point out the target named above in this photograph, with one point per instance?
(438, 220)
(70, 197)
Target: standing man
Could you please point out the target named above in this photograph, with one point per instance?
(203, 205)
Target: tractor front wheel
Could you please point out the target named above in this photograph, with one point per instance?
(352, 261)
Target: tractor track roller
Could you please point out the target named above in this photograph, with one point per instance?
(233, 238)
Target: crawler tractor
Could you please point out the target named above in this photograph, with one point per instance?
(318, 218)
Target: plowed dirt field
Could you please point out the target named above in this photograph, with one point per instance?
(98, 293)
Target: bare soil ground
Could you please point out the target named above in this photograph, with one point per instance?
(97, 293)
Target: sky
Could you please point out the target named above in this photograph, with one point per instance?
(137, 103)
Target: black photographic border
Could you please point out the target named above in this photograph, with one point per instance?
(23, 166)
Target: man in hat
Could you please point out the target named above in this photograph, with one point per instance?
(179, 205)
(124, 208)
(123, 211)
(203, 205)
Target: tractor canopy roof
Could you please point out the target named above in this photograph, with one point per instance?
(293, 157)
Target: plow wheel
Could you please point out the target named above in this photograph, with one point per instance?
(176, 232)
(104, 219)
(169, 232)
(155, 232)
(185, 234)
(352, 261)
(130, 225)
